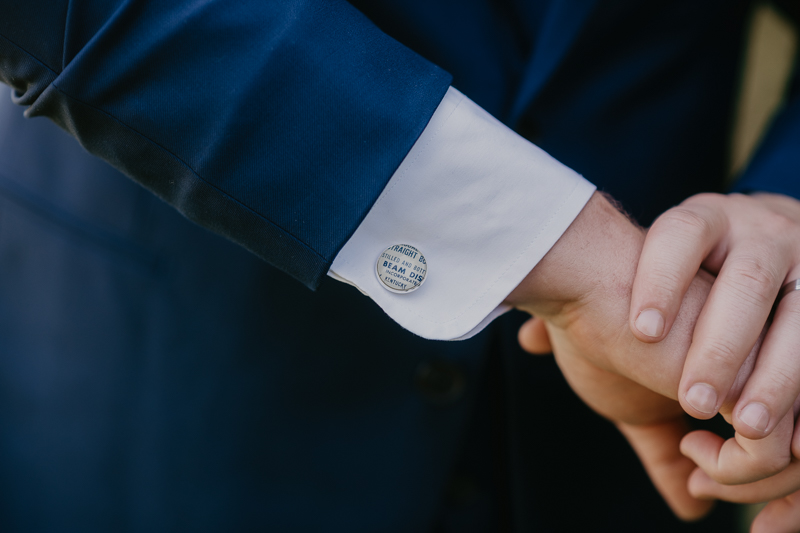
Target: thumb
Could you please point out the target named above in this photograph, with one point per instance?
(658, 448)
(533, 337)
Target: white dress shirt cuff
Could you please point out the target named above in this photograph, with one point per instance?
(482, 204)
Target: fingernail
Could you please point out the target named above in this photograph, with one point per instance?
(703, 398)
(756, 416)
(650, 322)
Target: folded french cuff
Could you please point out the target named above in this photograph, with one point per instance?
(482, 204)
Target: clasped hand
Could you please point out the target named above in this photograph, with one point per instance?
(692, 338)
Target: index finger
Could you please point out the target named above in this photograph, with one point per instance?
(674, 248)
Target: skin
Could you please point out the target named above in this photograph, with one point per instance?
(581, 295)
(656, 443)
(752, 244)
(686, 488)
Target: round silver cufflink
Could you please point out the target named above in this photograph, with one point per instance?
(401, 268)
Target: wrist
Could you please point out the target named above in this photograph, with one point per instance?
(599, 251)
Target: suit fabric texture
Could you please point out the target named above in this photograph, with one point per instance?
(157, 376)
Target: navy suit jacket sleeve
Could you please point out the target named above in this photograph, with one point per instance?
(274, 123)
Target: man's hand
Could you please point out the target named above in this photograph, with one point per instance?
(688, 490)
(656, 444)
(582, 289)
(753, 244)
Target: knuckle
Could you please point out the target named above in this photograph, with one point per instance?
(783, 379)
(777, 229)
(664, 280)
(788, 238)
(720, 352)
(685, 221)
(752, 279)
(780, 224)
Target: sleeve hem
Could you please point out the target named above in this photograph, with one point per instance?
(482, 204)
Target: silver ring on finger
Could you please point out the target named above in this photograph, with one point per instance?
(786, 289)
(792, 286)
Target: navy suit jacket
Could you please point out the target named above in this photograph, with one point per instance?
(158, 377)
